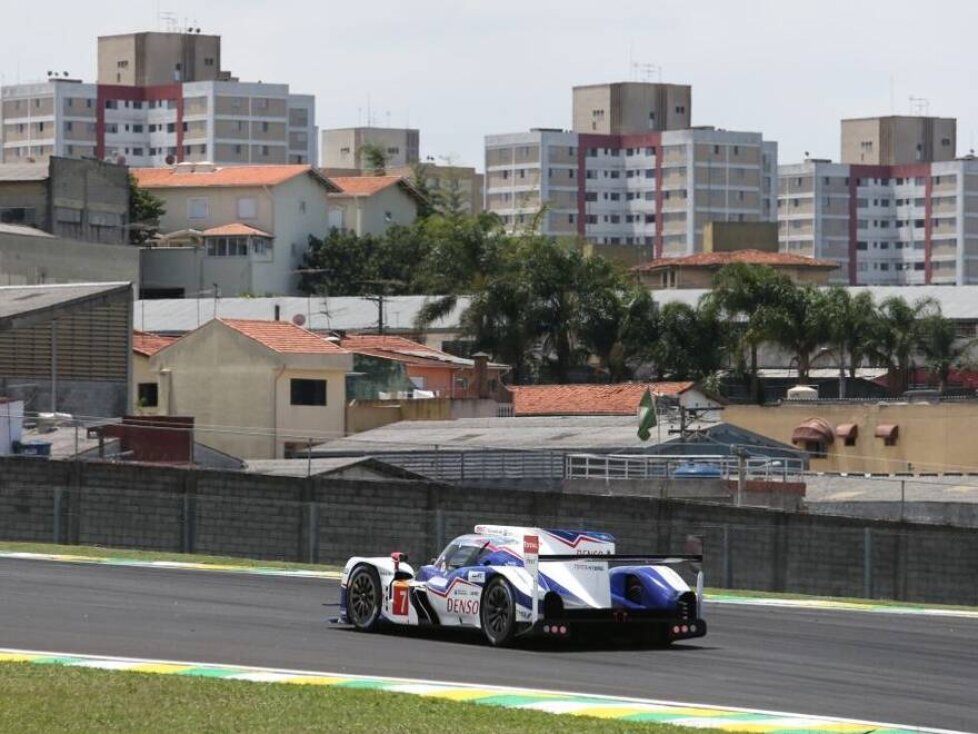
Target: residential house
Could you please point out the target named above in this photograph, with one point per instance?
(369, 205)
(621, 399)
(698, 271)
(256, 389)
(237, 230)
(145, 382)
(410, 366)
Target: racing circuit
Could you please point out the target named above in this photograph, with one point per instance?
(908, 669)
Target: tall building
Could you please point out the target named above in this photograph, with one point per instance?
(909, 222)
(898, 140)
(219, 120)
(343, 148)
(652, 186)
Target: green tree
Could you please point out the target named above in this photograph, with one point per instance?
(145, 211)
(941, 348)
(800, 322)
(744, 296)
(690, 344)
(373, 158)
(899, 335)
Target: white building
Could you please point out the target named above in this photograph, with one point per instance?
(911, 224)
(226, 122)
(654, 189)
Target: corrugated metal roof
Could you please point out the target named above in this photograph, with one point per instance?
(180, 315)
(16, 300)
(23, 231)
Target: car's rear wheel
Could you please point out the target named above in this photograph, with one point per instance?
(363, 598)
(497, 612)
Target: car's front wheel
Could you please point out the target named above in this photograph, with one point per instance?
(363, 598)
(497, 612)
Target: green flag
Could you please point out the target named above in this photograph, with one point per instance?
(646, 415)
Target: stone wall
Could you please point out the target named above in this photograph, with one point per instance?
(320, 519)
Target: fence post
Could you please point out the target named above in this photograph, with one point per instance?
(868, 563)
(56, 524)
(312, 537)
(727, 560)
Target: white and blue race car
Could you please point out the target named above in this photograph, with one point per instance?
(515, 581)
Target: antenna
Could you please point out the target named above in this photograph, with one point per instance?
(919, 106)
(644, 72)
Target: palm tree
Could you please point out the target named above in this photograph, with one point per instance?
(745, 293)
(899, 336)
(801, 322)
(940, 346)
(855, 327)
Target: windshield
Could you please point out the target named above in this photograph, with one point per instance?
(460, 554)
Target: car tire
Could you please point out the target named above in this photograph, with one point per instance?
(364, 597)
(497, 612)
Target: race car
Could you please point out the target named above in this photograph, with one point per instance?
(511, 582)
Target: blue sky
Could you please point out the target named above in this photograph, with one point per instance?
(462, 69)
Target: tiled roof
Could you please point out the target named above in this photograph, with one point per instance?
(176, 177)
(750, 257)
(400, 349)
(149, 344)
(283, 336)
(588, 399)
(236, 229)
(364, 185)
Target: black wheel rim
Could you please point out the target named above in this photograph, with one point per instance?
(498, 611)
(363, 598)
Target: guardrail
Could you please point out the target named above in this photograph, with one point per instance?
(681, 466)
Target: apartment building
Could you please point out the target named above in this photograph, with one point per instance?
(657, 190)
(343, 148)
(188, 117)
(909, 222)
(632, 172)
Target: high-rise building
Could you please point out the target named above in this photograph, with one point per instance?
(898, 140)
(344, 148)
(909, 222)
(219, 120)
(653, 186)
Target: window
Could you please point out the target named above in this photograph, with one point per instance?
(208, 61)
(264, 127)
(247, 208)
(148, 395)
(308, 392)
(816, 449)
(393, 151)
(264, 150)
(197, 209)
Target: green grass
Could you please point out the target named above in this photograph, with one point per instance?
(747, 594)
(49, 698)
(138, 555)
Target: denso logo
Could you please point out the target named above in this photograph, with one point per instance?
(464, 607)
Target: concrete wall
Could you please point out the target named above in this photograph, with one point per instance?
(365, 415)
(30, 260)
(931, 437)
(730, 236)
(283, 518)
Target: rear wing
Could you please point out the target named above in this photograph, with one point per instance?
(655, 559)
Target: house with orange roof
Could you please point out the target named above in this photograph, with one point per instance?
(386, 364)
(371, 204)
(620, 399)
(145, 383)
(232, 230)
(697, 271)
(255, 389)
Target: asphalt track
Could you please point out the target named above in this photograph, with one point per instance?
(902, 669)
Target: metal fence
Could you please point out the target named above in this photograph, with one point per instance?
(681, 466)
